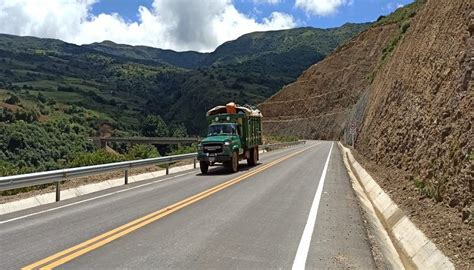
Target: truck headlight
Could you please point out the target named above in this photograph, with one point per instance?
(226, 143)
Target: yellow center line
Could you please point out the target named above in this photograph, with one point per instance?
(100, 240)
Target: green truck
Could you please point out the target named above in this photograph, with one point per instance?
(234, 133)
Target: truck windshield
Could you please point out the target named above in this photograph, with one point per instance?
(225, 129)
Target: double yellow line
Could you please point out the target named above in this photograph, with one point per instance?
(100, 240)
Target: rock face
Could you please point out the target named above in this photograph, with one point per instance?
(317, 104)
(420, 111)
(408, 85)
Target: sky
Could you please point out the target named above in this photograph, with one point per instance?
(181, 25)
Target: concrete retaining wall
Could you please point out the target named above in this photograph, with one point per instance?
(410, 241)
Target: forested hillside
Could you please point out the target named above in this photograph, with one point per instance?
(54, 95)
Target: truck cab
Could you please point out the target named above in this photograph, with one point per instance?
(234, 133)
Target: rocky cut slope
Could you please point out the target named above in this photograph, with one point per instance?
(419, 119)
(317, 104)
(407, 84)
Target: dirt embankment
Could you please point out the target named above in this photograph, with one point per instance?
(408, 85)
(419, 121)
(317, 104)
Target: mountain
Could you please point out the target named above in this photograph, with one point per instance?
(54, 95)
(406, 84)
(294, 42)
(188, 60)
(127, 83)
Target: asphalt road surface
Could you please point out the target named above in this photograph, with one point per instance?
(296, 209)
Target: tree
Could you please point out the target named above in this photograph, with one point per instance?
(179, 131)
(12, 99)
(42, 98)
(141, 151)
(154, 126)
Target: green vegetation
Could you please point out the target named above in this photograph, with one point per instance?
(184, 150)
(55, 95)
(402, 17)
(402, 14)
(128, 83)
(142, 151)
(280, 138)
(431, 190)
(391, 46)
(94, 158)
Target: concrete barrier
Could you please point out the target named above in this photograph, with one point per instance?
(414, 248)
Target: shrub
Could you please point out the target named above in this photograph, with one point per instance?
(98, 157)
(183, 150)
(390, 47)
(42, 98)
(142, 151)
(12, 99)
(281, 138)
(404, 27)
(154, 126)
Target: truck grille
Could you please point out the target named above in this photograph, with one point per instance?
(212, 148)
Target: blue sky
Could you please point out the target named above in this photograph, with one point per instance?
(181, 25)
(359, 11)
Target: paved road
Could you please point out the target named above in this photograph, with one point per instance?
(286, 212)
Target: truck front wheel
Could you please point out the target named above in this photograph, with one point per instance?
(234, 162)
(204, 166)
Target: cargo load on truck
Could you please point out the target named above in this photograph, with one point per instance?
(234, 133)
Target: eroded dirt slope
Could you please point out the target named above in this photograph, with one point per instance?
(408, 86)
(317, 104)
(419, 120)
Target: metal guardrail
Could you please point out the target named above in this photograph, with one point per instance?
(101, 142)
(57, 176)
(151, 140)
(275, 146)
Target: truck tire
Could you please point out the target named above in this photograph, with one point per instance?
(252, 160)
(204, 166)
(234, 163)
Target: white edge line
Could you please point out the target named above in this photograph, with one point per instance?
(94, 198)
(303, 247)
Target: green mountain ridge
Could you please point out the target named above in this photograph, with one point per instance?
(63, 93)
(129, 82)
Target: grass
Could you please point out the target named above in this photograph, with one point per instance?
(402, 17)
(279, 139)
(401, 14)
(431, 190)
(391, 46)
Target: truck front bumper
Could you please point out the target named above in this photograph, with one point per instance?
(213, 158)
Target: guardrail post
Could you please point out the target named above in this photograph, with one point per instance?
(194, 163)
(58, 191)
(126, 177)
(167, 168)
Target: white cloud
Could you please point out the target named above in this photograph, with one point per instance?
(169, 24)
(393, 6)
(272, 2)
(321, 7)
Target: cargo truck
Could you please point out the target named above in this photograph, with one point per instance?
(234, 133)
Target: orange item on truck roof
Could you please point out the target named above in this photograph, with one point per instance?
(230, 107)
